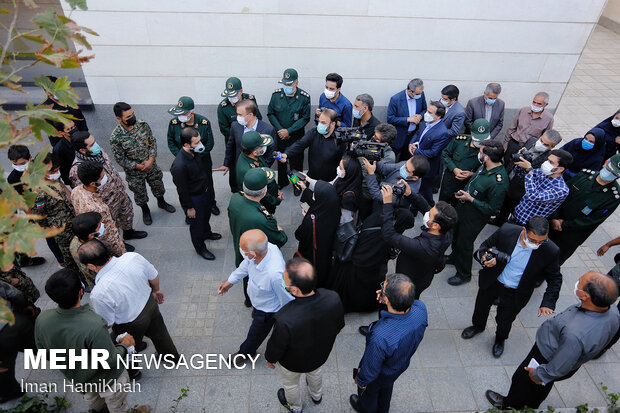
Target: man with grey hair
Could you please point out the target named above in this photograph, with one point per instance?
(245, 212)
(487, 106)
(264, 265)
(405, 113)
(531, 122)
(363, 119)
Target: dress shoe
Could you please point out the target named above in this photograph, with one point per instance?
(247, 303)
(146, 215)
(32, 261)
(129, 247)
(458, 280)
(363, 330)
(282, 399)
(469, 332)
(354, 401)
(133, 234)
(215, 210)
(207, 255)
(10, 397)
(494, 398)
(498, 348)
(214, 236)
(161, 203)
(142, 346)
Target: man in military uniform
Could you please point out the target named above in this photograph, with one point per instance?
(18, 279)
(593, 196)
(253, 148)
(134, 147)
(226, 110)
(186, 117)
(460, 158)
(289, 112)
(481, 198)
(245, 213)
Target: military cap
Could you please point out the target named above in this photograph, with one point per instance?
(256, 179)
(613, 165)
(233, 86)
(184, 105)
(289, 76)
(480, 129)
(252, 139)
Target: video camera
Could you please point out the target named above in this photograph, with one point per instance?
(373, 151)
(349, 134)
(528, 156)
(501, 258)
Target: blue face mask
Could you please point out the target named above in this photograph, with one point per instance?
(322, 129)
(95, 149)
(417, 96)
(403, 172)
(490, 101)
(357, 114)
(587, 145)
(607, 176)
(288, 90)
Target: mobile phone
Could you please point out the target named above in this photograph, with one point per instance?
(305, 207)
(293, 178)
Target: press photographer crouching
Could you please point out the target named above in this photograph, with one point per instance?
(513, 259)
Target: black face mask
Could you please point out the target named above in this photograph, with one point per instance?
(131, 121)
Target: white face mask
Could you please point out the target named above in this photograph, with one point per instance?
(54, 176)
(480, 157)
(262, 150)
(428, 118)
(241, 120)
(185, 118)
(426, 219)
(615, 123)
(329, 94)
(528, 243)
(536, 109)
(547, 168)
(233, 99)
(245, 255)
(540, 147)
(101, 230)
(104, 180)
(21, 168)
(577, 289)
(446, 103)
(200, 148)
(339, 172)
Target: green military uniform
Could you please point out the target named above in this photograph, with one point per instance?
(132, 147)
(488, 187)
(587, 206)
(227, 111)
(291, 113)
(18, 279)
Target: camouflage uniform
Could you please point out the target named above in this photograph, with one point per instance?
(87, 274)
(57, 212)
(23, 283)
(113, 193)
(86, 201)
(131, 147)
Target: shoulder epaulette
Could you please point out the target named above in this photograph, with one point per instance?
(461, 137)
(614, 189)
(174, 121)
(265, 212)
(304, 93)
(498, 177)
(277, 90)
(589, 171)
(204, 122)
(251, 97)
(224, 103)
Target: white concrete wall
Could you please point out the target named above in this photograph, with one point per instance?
(153, 51)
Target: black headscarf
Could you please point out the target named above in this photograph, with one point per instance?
(587, 159)
(349, 188)
(611, 132)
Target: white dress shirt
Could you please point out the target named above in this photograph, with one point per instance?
(265, 284)
(245, 128)
(122, 288)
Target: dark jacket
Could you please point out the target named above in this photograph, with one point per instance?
(475, 109)
(323, 156)
(66, 154)
(305, 330)
(397, 114)
(15, 177)
(433, 143)
(189, 176)
(544, 264)
(369, 127)
(233, 146)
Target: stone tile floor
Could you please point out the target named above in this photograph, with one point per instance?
(446, 374)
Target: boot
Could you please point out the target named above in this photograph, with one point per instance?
(161, 202)
(133, 234)
(146, 215)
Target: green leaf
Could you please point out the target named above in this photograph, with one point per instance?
(35, 38)
(52, 25)
(61, 88)
(81, 4)
(4, 11)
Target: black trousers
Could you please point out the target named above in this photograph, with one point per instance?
(149, 323)
(294, 163)
(426, 189)
(507, 309)
(208, 165)
(568, 240)
(13, 339)
(507, 207)
(232, 177)
(259, 330)
(199, 227)
(376, 397)
(523, 391)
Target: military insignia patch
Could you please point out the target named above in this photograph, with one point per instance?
(180, 104)
(174, 121)
(204, 122)
(223, 104)
(287, 75)
(481, 129)
(498, 177)
(229, 86)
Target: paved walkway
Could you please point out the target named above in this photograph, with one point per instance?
(446, 374)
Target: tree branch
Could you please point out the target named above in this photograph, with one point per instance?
(9, 37)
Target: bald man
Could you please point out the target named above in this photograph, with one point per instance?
(565, 342)
(264, 265)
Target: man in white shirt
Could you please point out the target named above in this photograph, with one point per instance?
(126, 295)
(264, 265)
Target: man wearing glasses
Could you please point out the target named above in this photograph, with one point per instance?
(529, 257)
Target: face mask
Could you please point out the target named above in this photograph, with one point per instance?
(104, 180)
(536, 109)
(477, 144)
(241, 120)
(245, 255)
(233, 99)
(101, 230)
(95, 149)
(529, 244)
(288, 90)
(490, 101)
(339, 172)
(357, 114)
(262, 150)
(322, 129)
(547, 168)
(55, 97)
(615, 123)
(54, 176)
(21, 168)
(200, 148)
(131, 121)
(184, 118)
(329, 94)
(540, 147)
(427, 218)
(403, 172)
(480, 157)
(577, 289)
(607, 176)
(428, 118)
(446, 103)
(586, 144)
(416, 97)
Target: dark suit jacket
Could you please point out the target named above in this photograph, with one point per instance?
(397, 115)
(435, 140)
(475, 110)
(233, 146)
(544, 264)
(454, 119)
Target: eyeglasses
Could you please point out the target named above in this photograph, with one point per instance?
(534, 241)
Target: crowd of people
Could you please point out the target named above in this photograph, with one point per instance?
(365, 184)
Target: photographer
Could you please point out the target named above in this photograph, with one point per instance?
(363, 119)
(521, 257)
(325, 151)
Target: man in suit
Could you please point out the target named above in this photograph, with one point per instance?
(487, 106)
(533, 257)
(405, 113)
(455, 112)
(247, 120)
(430, 140)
